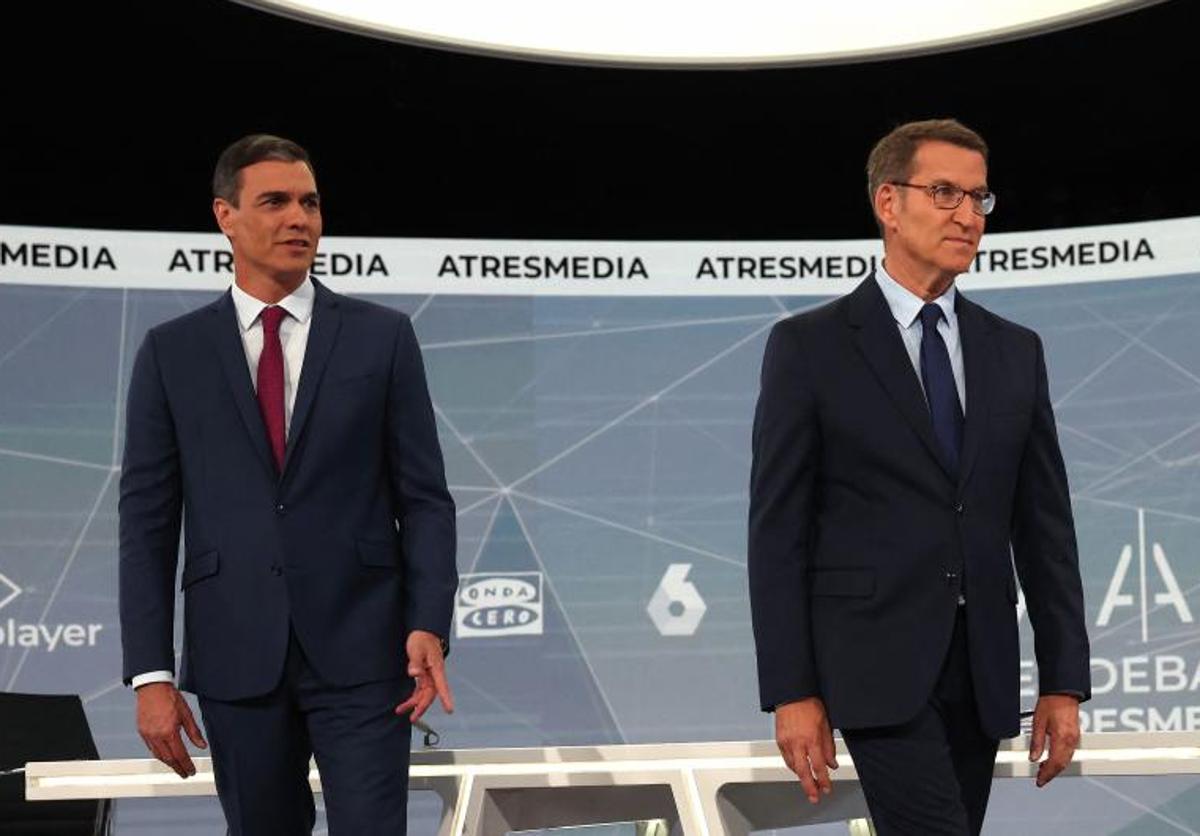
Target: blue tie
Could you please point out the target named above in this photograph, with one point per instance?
(940, 391)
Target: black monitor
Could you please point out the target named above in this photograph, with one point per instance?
(45, 727)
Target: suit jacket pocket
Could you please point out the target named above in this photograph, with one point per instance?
(844, 583)
(200, 567)
(375, 553)
(354, 377)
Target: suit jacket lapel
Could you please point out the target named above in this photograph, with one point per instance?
(327, 320)
(880, 343)
(975, 335)
(226, 335)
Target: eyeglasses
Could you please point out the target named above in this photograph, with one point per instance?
(946, 196)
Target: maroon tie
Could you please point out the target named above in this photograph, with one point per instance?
(270, 381)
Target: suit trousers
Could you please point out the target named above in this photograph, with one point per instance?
(261, 749)
(931, 775)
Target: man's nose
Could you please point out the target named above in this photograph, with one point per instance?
(296, 217)
(965, 214)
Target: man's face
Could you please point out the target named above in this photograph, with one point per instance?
(276, 225)
(929, 240)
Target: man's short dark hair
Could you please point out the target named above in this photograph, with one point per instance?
(255, 148)
(891, 159)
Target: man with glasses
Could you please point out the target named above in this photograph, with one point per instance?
(905, 458)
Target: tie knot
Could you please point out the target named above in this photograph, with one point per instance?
(931, 314)
(271, 316)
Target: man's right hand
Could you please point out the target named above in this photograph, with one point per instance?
(805, 740)
(161, 712)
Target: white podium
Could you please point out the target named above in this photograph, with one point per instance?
(695, 789)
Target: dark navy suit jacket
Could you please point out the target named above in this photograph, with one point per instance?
(352, 546)
(860, 541)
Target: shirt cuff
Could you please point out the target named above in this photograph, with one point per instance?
(151, 676)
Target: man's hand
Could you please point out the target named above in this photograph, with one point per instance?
(161, 711)
(806, 742)
(428, 668)
(1056, 715)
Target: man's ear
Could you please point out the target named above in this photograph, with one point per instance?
(886, 197)
(224, 212)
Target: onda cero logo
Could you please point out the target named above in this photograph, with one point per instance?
(499, 604)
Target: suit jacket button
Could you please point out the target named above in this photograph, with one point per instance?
(279, 509)
(276, 570)
(958, 509)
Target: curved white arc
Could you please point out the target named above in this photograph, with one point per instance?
(675, 33)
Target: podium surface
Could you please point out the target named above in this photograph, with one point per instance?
(696, 789)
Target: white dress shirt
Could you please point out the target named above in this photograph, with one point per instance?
(293, 335)
(906, 310)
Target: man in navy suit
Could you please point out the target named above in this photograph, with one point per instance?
(905, 458)
(291, 431)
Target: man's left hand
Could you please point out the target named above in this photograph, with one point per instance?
(427, 666)
(1056, 715)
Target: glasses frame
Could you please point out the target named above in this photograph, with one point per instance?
(982, 200)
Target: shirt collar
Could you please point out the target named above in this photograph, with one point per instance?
(906, 305)
(298, 304)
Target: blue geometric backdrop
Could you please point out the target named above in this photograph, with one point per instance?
(598, 442)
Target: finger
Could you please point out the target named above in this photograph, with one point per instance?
(155, 749)
(183, 761)
(163, 752)
(442, 687)
(193, 730)
(811, 791)
(804, 773)
(829, 751)
(1048, 771)
(1037, 740)
(821, 771)
(423, 703)
(1062, 749)
(414, 698)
